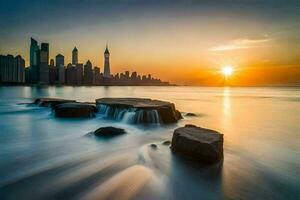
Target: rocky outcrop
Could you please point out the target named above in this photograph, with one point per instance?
(198, 143)
(190, 115)
(74, 110)
(51, 102)
(109, 131)
(138, 110)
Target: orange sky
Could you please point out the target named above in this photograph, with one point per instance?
(181, 43)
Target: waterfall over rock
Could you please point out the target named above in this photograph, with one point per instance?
(129, 115)
(138, 110)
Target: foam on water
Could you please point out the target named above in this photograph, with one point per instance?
(129, 115)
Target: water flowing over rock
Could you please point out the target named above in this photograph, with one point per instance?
(51, 102)
(138, 110)
(198, 143)
(74, 110)
(109, 131)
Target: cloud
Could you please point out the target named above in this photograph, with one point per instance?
(241, 44)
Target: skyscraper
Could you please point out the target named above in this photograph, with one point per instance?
(12, 69)
(52, 72)
(88, 73)
(34, 61)
(44, 63)
(60, 66)
(59, 60)
(106, 63)
(79, 74)
(75, 56)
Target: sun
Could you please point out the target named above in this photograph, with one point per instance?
(227, 70)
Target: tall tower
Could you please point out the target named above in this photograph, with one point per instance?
(34, 61)
(44, 63)
(106, 63)
(75, 56)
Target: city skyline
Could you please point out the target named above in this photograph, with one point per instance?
(43, 70)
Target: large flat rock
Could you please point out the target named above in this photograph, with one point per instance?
(198, 143)
(141, 110)
(51, 102)
(74, 110)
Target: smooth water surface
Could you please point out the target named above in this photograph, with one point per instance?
(42, 157)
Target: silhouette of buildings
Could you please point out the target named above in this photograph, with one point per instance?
(33, 74)
(40, 71)
(60, 67)
(52, 72)
(75, 56)
(12, 69)
(106, 63)
(44, 64)
(88, 73)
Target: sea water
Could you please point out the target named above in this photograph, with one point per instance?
(43, 157)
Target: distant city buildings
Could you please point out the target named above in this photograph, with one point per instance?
(106, 63)
(12, 69)
(60, 68)
(75, 56)
(41, 71)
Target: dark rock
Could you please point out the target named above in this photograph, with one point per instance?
(198, 143)
(74, 110)
(146, 110)
(109, 131)
(190, 115)
(51, 102)
(154, 146)
(167, 143)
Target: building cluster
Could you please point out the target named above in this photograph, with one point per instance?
(12, 69)
(41, 70)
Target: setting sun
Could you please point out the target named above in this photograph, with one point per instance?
(227, 71)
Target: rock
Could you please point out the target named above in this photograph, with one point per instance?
(51, 102)
(198, 143)
(153, 146)
(190, 115)
(74, 110)
(109, 131)
(141, 110)
(167, 143)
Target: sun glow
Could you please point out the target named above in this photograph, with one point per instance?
(227, 71)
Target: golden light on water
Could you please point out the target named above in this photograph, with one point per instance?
(227, 71)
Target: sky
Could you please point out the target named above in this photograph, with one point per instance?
(182, 41)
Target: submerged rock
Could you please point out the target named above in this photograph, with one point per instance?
(139, 110)
(167, 143)
(153, 146)
(190, 115)
(198, 143)
(51, 102)
(74, 110)
(109, 131)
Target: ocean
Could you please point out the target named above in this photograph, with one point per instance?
(43, 157)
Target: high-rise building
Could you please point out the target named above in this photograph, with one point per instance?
(60, 66)
(34, 61)
(20, 65)
(71, 74)
(88, 73)
(97, 76)
(61, 74)
(52, 72)
(75, 56)
(79, 74)
(12, 69)
(44, 63)
(106, 63)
